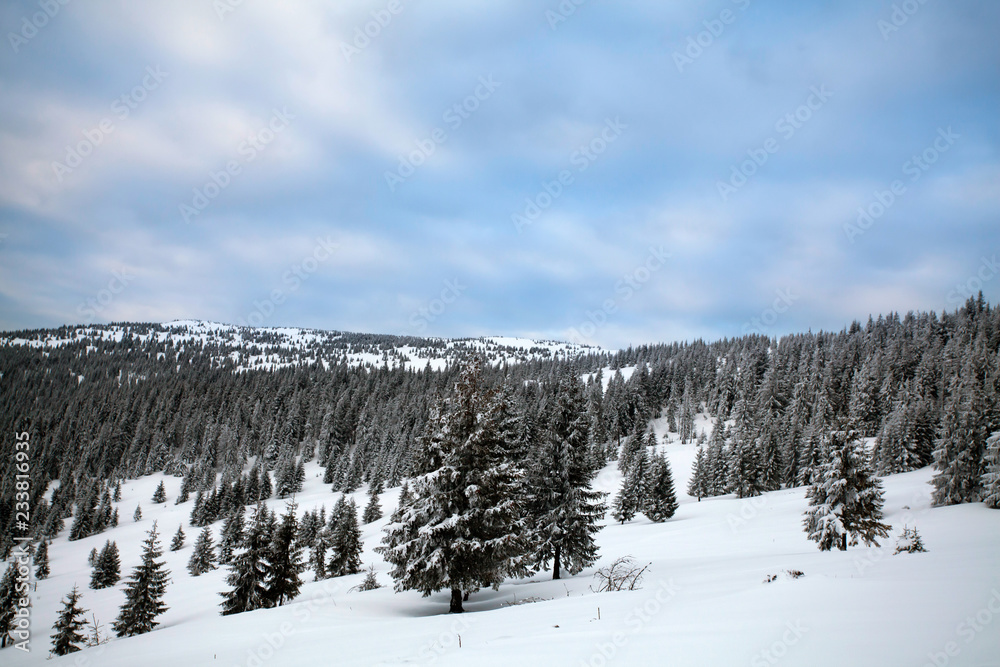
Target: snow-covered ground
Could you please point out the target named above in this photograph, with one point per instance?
(270, 348)
(704, 600)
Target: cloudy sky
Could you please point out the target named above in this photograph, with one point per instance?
(616, 172)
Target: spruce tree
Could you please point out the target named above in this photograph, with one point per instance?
(697, 485)
(8, 599)
(991, 478)
(203, 557)
(961, 444)
(67, 638)
(317, 557)
(461, 531)
(42, 560)
(632, 496)
(144, 591)
(846, 499)
(137, 515)
(250, 569)
(232, 536)
(373, 510)
(160, 495)
(117, 497)
(285, 558)
(661, 499)
(107, 567)
(564, 510)
(92, 557)
(177, 543)
(345, 557)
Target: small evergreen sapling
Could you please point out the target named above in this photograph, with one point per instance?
(909, 542)
(137, 515)
(160, 495)
(177, 543)
(67, 638)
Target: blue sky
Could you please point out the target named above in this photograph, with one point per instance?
(623, 173)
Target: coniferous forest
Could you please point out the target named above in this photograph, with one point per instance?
(496, 458)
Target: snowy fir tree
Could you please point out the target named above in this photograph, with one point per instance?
(563, 510)
(317, 555)
(144, 591)
(232, 535)
(661, 499)
(107, 567)
(961, 443)
(117, 497)
(137, 515)
(991, 478)
(910, 542)
(250, 569)
(92, 557)
(345, 541)
(42, 560)
(846, 499)
(698, 483)
(461, 531)
(160, 495)
(631, 497)
(8, 599)
(203, 557)
(373, 510)
(177, 543)
(285, 558)
(67, 638)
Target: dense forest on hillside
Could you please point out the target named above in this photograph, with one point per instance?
(924, 386)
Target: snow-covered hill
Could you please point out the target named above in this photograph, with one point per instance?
(704, 600)
(253, 348)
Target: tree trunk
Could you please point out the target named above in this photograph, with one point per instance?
(843, 542)
(555, 564)
(456, 602)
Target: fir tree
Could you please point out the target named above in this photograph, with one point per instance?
(909, 541)
(632, 496)
(286, 561)
(107, 567)
(461, 530)
(317, 557)
(564, 510)
(117, 497)
(92, 557)
(346, 540)
(961, 445)
(373, 510)
(203, 557)
(42, 560)
(144, 591)
(250, 569)
(137, 515)
(232, 536)
(177, 543)
(661, 500)
(846, 499)
(67, 638)
(991, 478)
(160, 495)
(8, 603)
(697, 485)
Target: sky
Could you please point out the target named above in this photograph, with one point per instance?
(605, 173)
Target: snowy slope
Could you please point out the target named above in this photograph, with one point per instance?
(704, 601)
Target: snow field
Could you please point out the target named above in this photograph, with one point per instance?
(704, 600)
